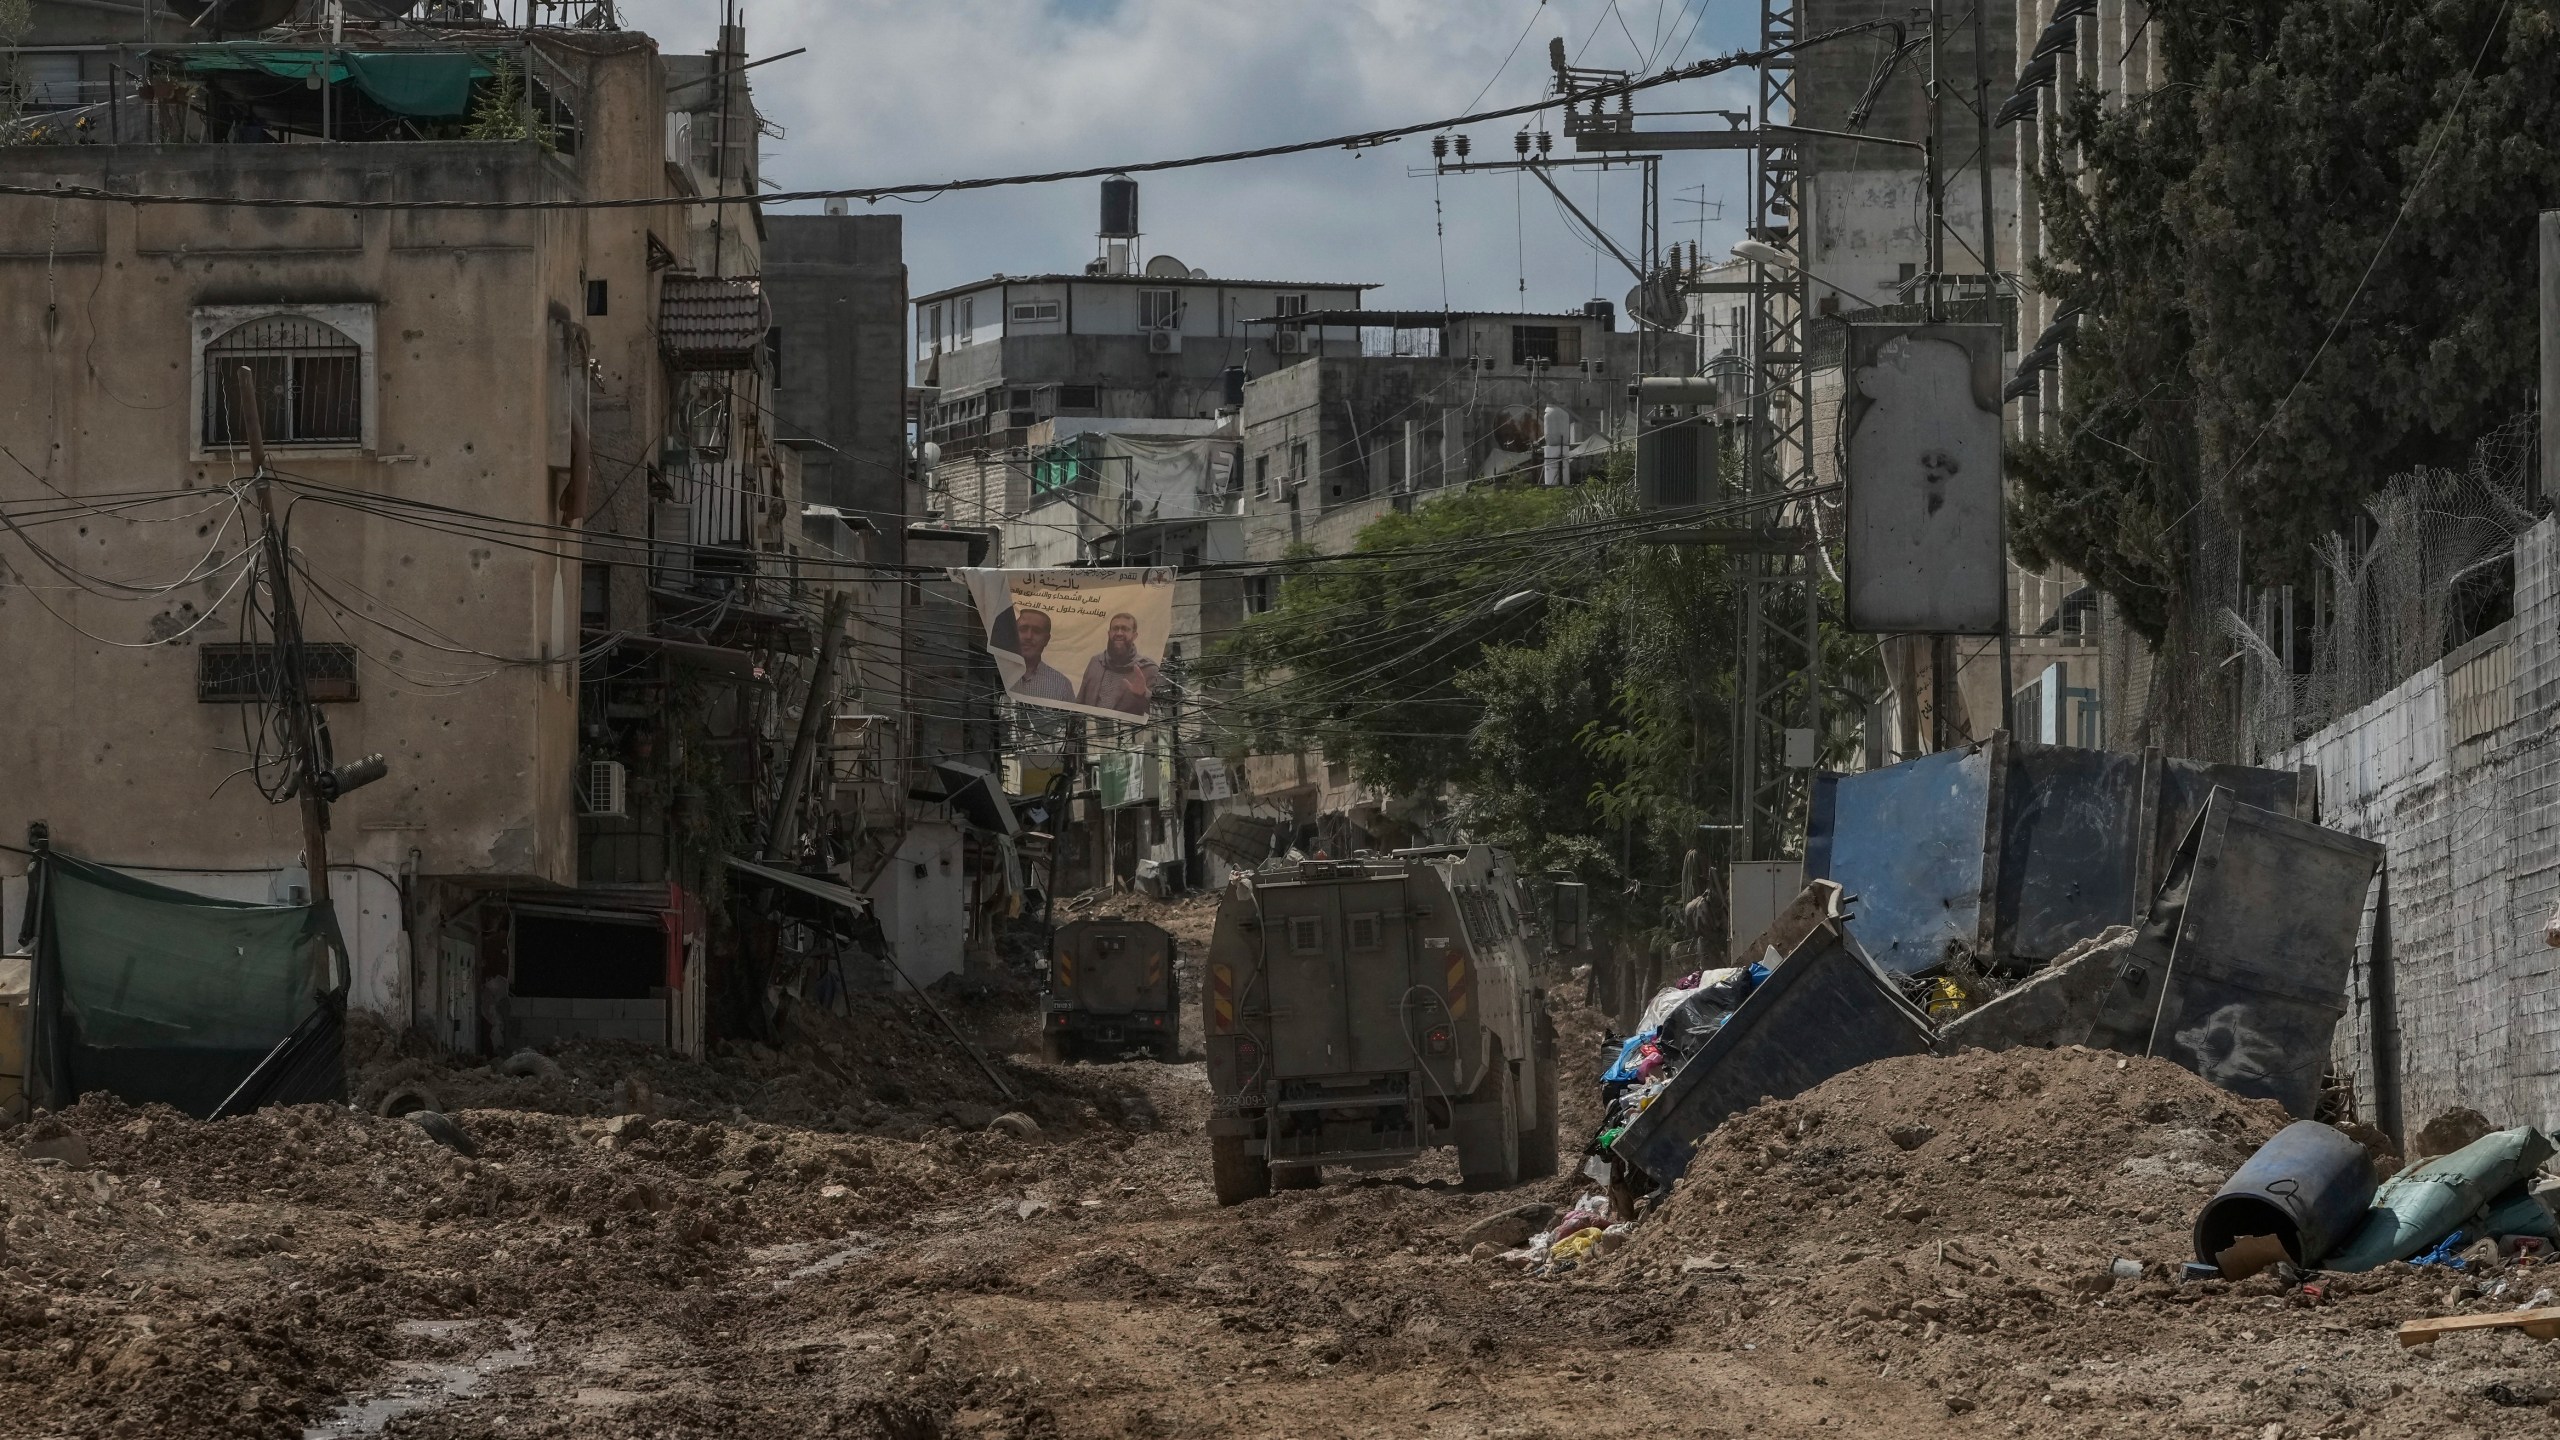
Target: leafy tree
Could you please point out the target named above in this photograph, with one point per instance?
(1584, 726)
(2219, 228)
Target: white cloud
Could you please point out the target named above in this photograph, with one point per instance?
(896, 91)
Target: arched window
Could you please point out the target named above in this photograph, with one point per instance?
(309, 379)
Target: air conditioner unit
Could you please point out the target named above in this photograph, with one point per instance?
(604, 791)
(1164, 342)
(1290, 342)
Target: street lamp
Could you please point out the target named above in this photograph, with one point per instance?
(1761, 252)
(1519, 598)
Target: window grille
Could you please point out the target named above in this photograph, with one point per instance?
(308, 377)
(236, 674)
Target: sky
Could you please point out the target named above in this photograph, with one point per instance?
(895, 91)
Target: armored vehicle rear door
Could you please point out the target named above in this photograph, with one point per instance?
(1377, 971)
(1301, 946)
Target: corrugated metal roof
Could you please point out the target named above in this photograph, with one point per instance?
(706, 320)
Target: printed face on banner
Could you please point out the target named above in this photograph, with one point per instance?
(1090, 641)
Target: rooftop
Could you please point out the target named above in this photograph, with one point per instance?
(1413, 319)
(1156, 282)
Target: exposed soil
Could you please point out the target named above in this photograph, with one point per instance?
(784, 1250)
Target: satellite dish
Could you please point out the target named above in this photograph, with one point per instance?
(1165, 267)
(1657, 303)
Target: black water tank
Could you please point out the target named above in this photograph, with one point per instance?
(1602, 311)
(1119, 207)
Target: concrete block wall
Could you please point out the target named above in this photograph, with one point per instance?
(2474, 869)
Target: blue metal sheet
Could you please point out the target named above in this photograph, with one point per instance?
(1909, 846)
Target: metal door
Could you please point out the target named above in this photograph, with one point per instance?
(1112, 970)
(1377, 975)
(457, 991)
(1301, 936)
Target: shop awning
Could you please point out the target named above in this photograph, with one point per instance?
(430, 86)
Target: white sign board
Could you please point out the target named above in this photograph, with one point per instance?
(1922, 414)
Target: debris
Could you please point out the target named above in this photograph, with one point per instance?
(2541, 1324)
(441, 1129)
(1910, 1137)
(1824, 1011)
(968, 1114)
(1015, 1124)
(622, 1130)
(532, 1065)
(2431, 1199)
(63, 1147)
(2449, 1132)
(2125, 1269)
(1509, 1229)
(1028, 1209)
(2059, 1006)
(2308, 1187)
(2248, 1255)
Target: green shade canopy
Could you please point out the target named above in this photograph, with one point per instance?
(426, 86)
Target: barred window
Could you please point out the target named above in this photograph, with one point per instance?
(236, 674)
(309, 379)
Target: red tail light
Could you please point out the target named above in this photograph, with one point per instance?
(1437, 1042)
(1248, 1053)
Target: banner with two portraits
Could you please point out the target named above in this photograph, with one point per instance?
(1087, 641)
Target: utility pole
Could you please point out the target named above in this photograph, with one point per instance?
(1991, 312)
(288, 642)
(315, 781)
(785, 823)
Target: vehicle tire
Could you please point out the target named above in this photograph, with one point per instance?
(1539, 1155)
(1236, 1170)
(1495, 1164)
(1296, 1177)
(1168, 1050)
(1053, 1046)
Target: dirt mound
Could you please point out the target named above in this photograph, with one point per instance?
(2080, 1152)
(886, 1068)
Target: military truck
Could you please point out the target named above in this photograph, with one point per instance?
(1111, 990)
(1358, 1013)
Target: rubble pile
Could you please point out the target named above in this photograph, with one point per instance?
(2065, 1148)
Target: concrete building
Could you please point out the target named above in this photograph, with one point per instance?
(1117, 340)
(550, 551)
(1427, 403)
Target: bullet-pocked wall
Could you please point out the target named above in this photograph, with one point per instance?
(434, 359)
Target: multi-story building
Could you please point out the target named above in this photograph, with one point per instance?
(1403, 406)
(549, 548)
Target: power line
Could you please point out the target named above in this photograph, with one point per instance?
(1356, 140)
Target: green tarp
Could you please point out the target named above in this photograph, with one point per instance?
(161, 994)
(426, 86)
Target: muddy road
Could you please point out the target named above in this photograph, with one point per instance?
(835, 1240)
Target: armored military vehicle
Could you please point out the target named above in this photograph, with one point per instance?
(1111, 990)
(1358, 1013)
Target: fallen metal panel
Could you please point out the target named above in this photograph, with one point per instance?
(2070, 850)
(1825, 1011)
(2266, 909)
(1910, 848)
(2183, 787)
